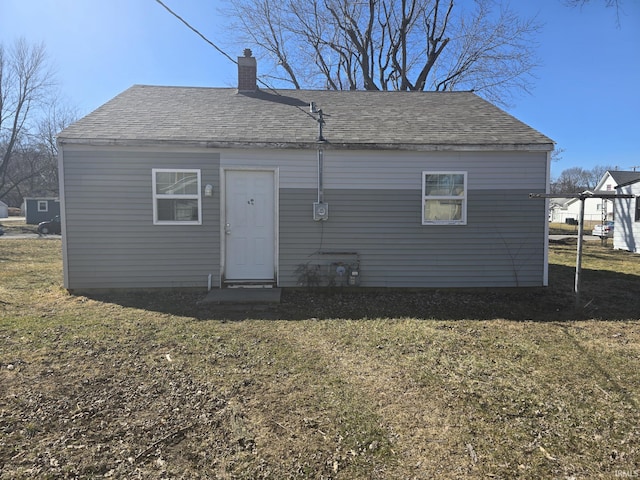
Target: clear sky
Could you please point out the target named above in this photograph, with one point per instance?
(586, 95)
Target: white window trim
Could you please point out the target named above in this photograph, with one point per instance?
(463, 219)
(197, 196)
(46, 206)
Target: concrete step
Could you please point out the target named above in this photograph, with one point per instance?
(241, 296)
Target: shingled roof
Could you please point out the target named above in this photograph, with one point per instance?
(624, 177)
(224, 117)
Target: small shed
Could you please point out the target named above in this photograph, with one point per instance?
(40, 209)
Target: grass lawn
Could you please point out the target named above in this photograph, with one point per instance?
(566, 229)
(355, 385)
(16, 225)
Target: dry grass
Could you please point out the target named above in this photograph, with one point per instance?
(149, 386)
(16, 225)
(567, 229)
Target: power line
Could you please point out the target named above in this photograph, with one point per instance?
(197, 32)
(229, 57)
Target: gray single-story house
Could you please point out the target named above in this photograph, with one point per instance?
(166, 187)
(40, 209)
(626, 234)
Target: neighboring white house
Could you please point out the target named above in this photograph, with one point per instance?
(567, 210)
(557, 209)
(626, 234)
(609, 182)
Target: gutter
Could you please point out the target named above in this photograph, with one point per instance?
(492, 147)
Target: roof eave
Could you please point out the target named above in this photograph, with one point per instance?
(103, 142)
(626, 184)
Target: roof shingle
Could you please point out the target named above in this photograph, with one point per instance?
(354, 119)
(622, 177)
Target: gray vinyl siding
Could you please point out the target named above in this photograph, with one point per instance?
(393, 170)
(111, 241)
(374, 201)
(501, 246)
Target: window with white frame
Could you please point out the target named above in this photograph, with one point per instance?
(444, 198)
(176, 197)
(43, 206)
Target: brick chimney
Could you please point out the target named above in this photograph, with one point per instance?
(247, 72)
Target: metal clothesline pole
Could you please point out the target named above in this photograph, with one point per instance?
(576, 286)
(582, 196)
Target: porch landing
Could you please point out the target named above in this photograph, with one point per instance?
(243, 295)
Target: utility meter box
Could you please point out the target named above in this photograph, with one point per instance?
(320, 211)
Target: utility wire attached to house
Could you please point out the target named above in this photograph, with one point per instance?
(582, 197)
(196, 31)
(225, 54)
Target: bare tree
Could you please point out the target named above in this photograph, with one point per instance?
(596, 174)
(578, 179)
(571, 180)
(33, 170)
(615, 4)
(556, 154)
(391, 44)
(26, 84)
(57, 118)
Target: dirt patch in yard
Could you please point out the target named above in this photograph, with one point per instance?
(537, 304)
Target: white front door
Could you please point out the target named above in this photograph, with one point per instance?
(249, 225)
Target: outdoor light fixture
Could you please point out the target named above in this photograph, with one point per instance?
(208, 190)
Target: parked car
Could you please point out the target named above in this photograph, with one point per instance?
(604, 230)
(50, 226)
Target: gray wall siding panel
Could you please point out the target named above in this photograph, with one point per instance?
(500, 246)
(375, 210)
(392, 170)
(111, 239)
